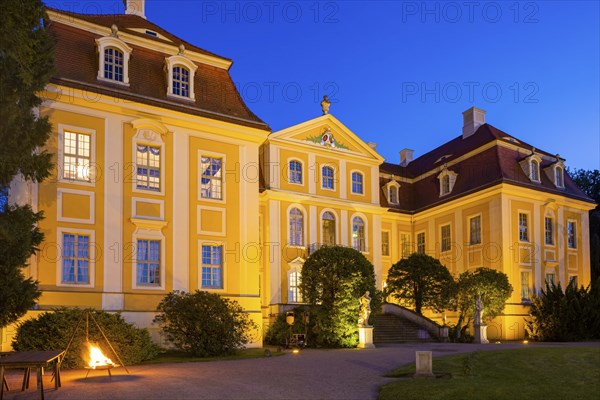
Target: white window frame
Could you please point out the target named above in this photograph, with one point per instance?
(333, 180)
(91, 250)
(294, 296)
(551, 272)
(526, 165)
(392, 186)
(450, 176)
(553, 230)
(383, 254)
(147, 137)
(223, 157)
(405, 245)
(336, 223)
(528, 227)
(527, 298)
(304, 225)
(424, 242)
(559, 177)
(183, 61)
(470, 232)
(289, 170)
(61, 155)
(366, 231)
(574, 224)
(223, 263)
(112, 41)
(147, 232)
(442, 248)
(362, 192)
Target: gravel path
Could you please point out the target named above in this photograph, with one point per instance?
(311, 374)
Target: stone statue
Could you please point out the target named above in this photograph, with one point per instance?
(365, 310)
(478, 310)
(325, 105)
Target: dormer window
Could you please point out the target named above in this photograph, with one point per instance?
(391, 190)
(447, 180)
(559, 179)
(113, 63)
(180, 71)
(531, 167)
(534, 170)
(556, 172)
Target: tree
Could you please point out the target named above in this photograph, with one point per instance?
(421, 281)
(491, 285)
(26, 65)
(589, 182)
(204, 324)
(333, 280)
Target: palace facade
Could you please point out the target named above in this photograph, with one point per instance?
(165, 180)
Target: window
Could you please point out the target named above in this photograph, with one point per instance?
(405, 243)
(294, 281)
(445, 184)
(421, 243)
(181, 81)
(446, 238)
(385, 243)
(296, 227)
(559, 180)
(76, 159)
(358, 234)
(523, 228)
(475, 230)
(549, 230)
(113, 59)
(328, 226)
(573, 281)
(212, 266)
(113, 64)
(148, 262)
(393, 195)
(212, 178)
(75, 258)
(525, 286)
(534, 172)
(148, 167)
(296, 172)
(328, 174)
(550, 278)
(571, 235)
(3, 197)
(357, 183)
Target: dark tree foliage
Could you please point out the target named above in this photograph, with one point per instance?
(333, 280)
(204, 324)
(26, 65)
(569, 315)
(493, 287)
(421, 281)
(589, 182)
(53, 330)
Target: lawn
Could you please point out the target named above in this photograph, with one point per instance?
(174, 356)
(536, 373)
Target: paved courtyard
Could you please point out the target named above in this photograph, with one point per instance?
(311, 374)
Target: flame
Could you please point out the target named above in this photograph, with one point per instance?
(97, 358)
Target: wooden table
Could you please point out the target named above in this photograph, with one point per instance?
(32, 359)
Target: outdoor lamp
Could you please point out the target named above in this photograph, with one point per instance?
(289, 318)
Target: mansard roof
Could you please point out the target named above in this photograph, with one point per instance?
(484, 159)
(76, 62)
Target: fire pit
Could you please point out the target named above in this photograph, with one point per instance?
(98, 361)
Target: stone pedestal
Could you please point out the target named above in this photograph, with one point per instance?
(481, 334)
(365, 338)
(424, 361)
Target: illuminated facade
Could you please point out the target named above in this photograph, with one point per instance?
(165, 180)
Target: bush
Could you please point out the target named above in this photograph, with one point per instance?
(278, 332)
(53, 330)
(333, 280)
(204, 324)
(565, 316)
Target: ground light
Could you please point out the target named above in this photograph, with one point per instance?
(525, 341)
(295, 351)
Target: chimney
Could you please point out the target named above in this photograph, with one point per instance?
(135, 7)
(473, 118)
(406, 156)
(372, 145)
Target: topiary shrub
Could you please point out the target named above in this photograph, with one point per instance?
(53, 330)
(204, 324)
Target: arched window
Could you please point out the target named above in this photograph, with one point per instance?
(358, 234)
(535, 170)
(295, 172)
(559, 177)
(327, 173)
(181, 81)
(393, 195)
(357, 183)
(445, 184)
(113, 64)
(294, 280)
(328, 226)
(296, 227)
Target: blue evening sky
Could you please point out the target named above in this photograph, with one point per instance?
(400, 73)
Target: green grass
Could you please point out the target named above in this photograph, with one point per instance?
(531, 373)
(174, 356)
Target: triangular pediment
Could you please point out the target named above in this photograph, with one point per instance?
(325, 133)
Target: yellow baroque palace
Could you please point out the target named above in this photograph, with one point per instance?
(165, 180)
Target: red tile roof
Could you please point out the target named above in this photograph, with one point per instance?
(76, 62)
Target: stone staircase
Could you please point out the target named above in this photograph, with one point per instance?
(391, 328)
